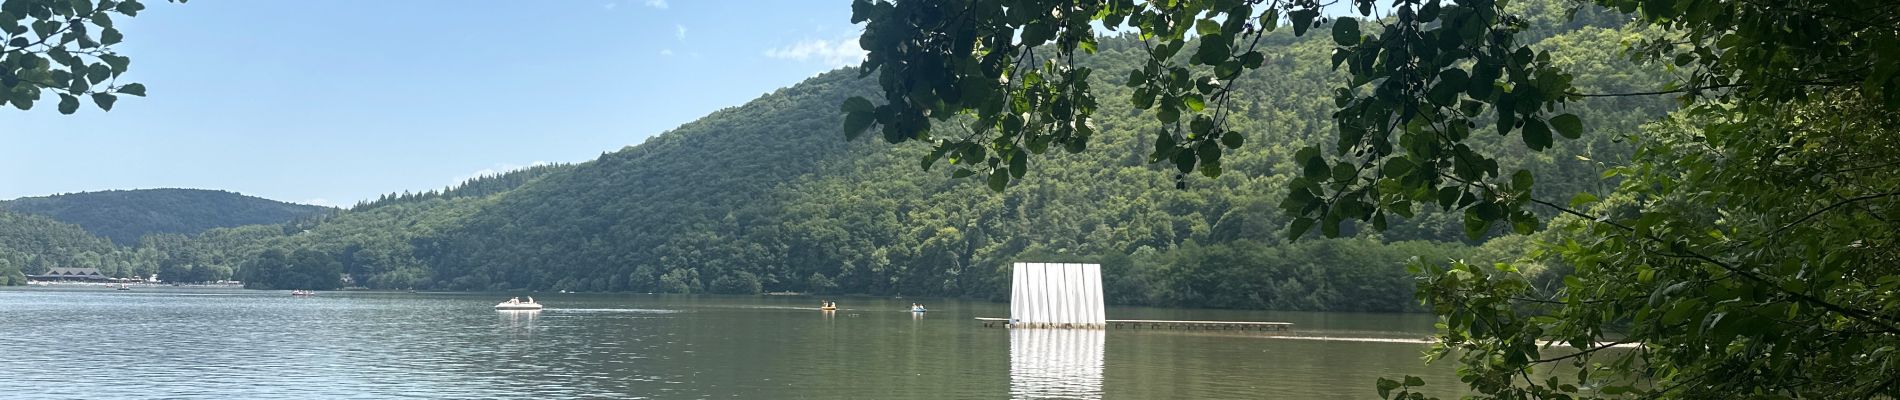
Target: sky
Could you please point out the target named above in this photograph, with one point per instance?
(335, 101)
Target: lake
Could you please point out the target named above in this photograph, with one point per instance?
(70, 342)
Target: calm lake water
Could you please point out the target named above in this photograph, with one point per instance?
(181, 343)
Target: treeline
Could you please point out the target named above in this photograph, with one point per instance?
(479, 186)
(302, 269)
(767, 196)
(124, 216)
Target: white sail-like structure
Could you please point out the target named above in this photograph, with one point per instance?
(1056, 295)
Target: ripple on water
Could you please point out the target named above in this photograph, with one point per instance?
(267, 345)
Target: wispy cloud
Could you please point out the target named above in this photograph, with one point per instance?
(666, 52)
(836, 53)
(610, 5)
(660, 4)
(679, 31)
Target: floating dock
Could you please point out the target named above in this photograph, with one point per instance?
(1164, 324)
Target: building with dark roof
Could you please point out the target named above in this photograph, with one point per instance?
(72, 274)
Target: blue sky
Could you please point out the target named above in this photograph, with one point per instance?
(334, 101)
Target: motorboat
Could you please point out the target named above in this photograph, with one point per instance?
(518, 305)
(301, 293)
(918, 309)
(124, 287)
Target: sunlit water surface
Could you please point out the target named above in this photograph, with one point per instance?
(87, 343)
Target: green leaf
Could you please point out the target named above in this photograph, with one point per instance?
(134, 89)
(1536, 135)
(1414, 381)
(1252, 60)
(1184, 161)
(999, 179)
(1346, 31)
(1568, 125)
(97, 73)
(1488, 211)
(1201, 125)
(1397, 168)
(1194, 102)
(104, 100)
(1206, 27)
(117, 62)
(1018, 164)
(1302, 20)
(1232, 139)
(130, 8)
(1385, 387)
(1213, 50)
(111, 36)
(1521, 180)
(962, 173)
(1582, 199)
(858, 115)
(68, 104)
(1299, 228)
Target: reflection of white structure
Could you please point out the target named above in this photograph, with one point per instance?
(1052, 295)
(1055, 363)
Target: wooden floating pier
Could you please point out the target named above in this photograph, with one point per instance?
(1163, 324)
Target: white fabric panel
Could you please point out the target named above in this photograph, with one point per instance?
(1101, 296)
(1054, 294)
(1018, 297)
(1078, 300)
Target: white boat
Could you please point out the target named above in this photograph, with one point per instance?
(303, 293)
(514, 305)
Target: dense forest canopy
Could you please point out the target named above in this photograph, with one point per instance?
(124, 216)
(760, 197)
(1748, 249)
(1711, 181)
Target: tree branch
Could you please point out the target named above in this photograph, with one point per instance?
(1885, 324)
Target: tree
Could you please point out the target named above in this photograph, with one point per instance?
(266, 270)
(1749, 248)
(64, 47)
(313, 270)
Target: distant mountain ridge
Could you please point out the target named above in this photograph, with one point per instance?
(126, 215)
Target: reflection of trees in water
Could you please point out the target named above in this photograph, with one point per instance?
(1055, 363)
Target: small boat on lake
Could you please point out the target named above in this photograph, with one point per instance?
(516, 304)
(124, 287)
(302, 293)
(918, 309)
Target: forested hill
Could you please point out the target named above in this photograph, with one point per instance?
(32, 243)
(126, 215)
(767, 196)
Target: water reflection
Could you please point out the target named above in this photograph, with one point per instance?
(1055, 363)
(519, 320)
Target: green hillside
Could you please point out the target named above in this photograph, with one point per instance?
(32, 244)
(767, 196)
(126, 215)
